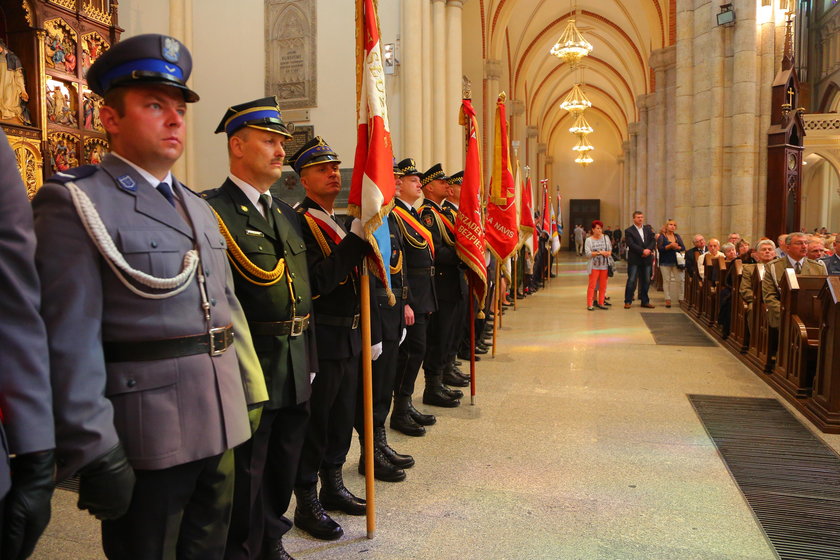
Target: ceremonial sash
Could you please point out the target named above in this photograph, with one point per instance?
(327, 224)
(449, 225)
(419, 228)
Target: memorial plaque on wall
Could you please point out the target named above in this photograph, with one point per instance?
(290, 33)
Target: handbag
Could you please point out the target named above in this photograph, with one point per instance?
(610, 267)
(680, 260)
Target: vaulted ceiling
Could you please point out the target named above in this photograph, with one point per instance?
(520, 33)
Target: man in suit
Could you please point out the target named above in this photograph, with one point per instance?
(272, 283)
(694, 253)
(333, 256)
(765, 252)
(832, 262)
(641, 241)
(150, 395)
(422, 301)
(796, 247)
(448, 287)
(25, 395)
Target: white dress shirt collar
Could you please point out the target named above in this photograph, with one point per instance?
(250, 192)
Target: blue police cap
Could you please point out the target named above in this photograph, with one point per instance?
(143, 60)
(312, 153)
(262, 114)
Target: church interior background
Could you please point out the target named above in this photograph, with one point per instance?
(681, 98)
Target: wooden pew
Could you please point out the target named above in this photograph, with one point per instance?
(798, 333)
(758, 351)
(738, 331)
(824, 405)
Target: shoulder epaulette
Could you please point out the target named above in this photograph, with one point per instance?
(74, 174)
(210, 193)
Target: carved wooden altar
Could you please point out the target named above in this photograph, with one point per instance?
(51, 117)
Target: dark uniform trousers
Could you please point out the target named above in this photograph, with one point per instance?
(334, 280)
(419, 264)
(266, 464)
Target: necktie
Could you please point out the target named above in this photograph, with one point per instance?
(166, 191)
(265, 201)
(797, 267)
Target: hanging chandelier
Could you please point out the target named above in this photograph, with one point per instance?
(581, 126)
(584, 159)
(571, 47)
(583, 146)
(576, 101)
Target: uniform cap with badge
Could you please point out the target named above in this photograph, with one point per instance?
(408, 167)
(262, 114)
(397, 171)
(148, 59)
(312, 153)
(434, 173)
(456, 179)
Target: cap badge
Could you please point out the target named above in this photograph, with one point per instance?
(171, 49)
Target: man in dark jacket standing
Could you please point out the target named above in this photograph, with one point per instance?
(272, 283)
(641, 241)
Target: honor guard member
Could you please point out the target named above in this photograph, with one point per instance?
(452, 375)
(138, 301)
(389, 321)
(442, 325)
(334, 256)
(268, 257)
(419, 252)
(25, 395)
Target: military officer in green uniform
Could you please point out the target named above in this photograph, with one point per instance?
(268, 257)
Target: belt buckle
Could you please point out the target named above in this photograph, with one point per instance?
(355, 324)
(297, 326)
(405, 292)
(431, 271)
(223, 346)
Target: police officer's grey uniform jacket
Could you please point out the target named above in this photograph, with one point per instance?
(164, 412)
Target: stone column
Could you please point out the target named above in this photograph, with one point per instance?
(413, 119)
(625, 210)
(427, 75)
(633, 177)
(684, 103)
(180, 27)
(438, 123)
(662, 62)
(621, 185)
(642, 154)
(455, 146)
(716, 79)
(492, 73)
(531, 140)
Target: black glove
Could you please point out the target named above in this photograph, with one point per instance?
(27, 505)
(106, 485)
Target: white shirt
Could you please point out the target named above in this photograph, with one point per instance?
(151, 179)
(250, 192)
(641, 231)
(793, 262)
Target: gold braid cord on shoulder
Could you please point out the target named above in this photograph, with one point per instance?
(397, 269)
(410, 238)
(444, 232)
(244, 265)
(319, 235)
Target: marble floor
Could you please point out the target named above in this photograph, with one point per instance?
(581, 445)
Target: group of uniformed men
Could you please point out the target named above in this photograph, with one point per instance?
(200, 362)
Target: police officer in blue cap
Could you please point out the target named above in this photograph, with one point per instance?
(150, 394)
(272, 284)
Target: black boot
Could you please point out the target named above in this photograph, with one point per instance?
(435, 393)
(383, 469)
(419, 417)
(450, 377)
(453, 393)
(403, 421)
(396, 459)
(273, 550)
(334, 496)
(460, 373)
(311, 517)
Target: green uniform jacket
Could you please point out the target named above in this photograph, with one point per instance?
(773, 272)
(286, 360)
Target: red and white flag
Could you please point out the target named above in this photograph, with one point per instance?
(527, 226)
(469, 233)
(372, 187)
(501, 228)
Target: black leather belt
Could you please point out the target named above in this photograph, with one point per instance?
(214, 342)
(335, 321)
(402, 294)
(422, 271)
(295, 327)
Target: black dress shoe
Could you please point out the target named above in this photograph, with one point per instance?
(311, 517)
(383, 469)
(397, 459)
(453, 393)
(335, 497)
(419, 417)
(273, 550)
